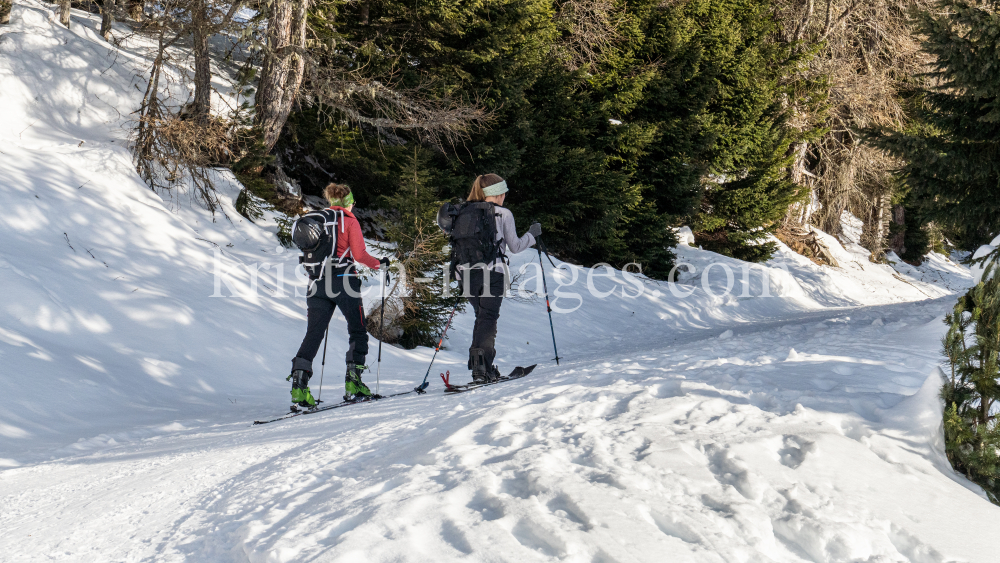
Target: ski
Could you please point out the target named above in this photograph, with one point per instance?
(517, 373)
(299, 412)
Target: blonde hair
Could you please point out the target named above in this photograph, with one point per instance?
(334, 192)
(481, 182)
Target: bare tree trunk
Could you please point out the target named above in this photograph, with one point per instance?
(135, 8)
(799, 166)
(107, 18)
(899, 219)
(283, 67)
(875, 227)
(800, 214)
(64, 12)
(202, 63)
(5, 7)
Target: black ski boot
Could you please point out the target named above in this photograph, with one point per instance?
(481, 374)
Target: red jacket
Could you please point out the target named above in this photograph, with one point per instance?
(353, 239)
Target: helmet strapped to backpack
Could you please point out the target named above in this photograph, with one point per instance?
(473, 230)
(307, 233)
(446, 217)
(315, 234)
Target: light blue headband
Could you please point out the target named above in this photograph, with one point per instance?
(495, 189)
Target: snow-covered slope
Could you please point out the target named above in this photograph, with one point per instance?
(800, 426)
(108, 311)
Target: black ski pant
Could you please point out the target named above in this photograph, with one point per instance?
(484, 334)
(323, 299)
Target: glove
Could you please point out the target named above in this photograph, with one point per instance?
(535, 229)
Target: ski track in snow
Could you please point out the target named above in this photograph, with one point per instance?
(799, 427)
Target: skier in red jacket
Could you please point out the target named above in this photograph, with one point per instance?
(336, 285)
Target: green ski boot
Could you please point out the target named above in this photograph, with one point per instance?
(301, 395)
(353, 386)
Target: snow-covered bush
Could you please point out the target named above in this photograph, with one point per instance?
(984, 256)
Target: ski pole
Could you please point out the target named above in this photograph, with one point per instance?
(545, 287)
(420, 388)
(546, 251)
(381, 329)
(323, 365)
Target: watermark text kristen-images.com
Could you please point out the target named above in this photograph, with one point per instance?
(243, 281)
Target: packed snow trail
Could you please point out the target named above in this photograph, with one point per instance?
(749, 448)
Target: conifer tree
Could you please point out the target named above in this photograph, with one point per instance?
(552, 134)
(419, 245)
(950, 153)
(608, 149)
(720, 105)
(972, 432)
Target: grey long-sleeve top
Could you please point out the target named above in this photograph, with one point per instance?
(507, 232)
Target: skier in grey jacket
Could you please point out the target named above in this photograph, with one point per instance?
(485, 293)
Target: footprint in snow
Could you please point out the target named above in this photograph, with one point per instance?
(794, 451)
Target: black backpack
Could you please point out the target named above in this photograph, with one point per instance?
(315, 234)
(473, 231)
